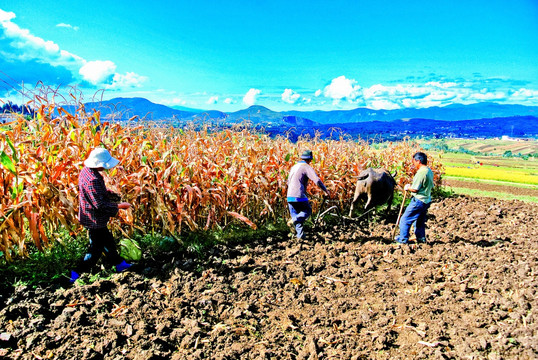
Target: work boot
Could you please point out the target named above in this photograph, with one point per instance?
(400, 241)
(123, 266)
(73, 276)
(291, 225)
(421, 240)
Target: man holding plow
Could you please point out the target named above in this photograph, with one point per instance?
(298, 203)
(416, 211)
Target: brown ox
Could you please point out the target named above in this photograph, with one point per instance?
(376, 186)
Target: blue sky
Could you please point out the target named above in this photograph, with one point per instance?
(302, 55)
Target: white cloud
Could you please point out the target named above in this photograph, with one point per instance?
(524, 96)
(409, 95)
(98, 72)
(383, 104)
(175, 101)
(68, 26)
(376, 91)
(317, 93)
(427, 94)
(21, 47)
(212, 100)
(229, 101)
(407, 103)
(342, 88)
(430, 94)
(487, 96)
(250, 97)
(440, 96)
(525, 93)
(127, 80)
(439, 84)
(290, 96)
(6, 16)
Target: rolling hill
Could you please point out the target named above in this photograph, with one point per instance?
(474, 120)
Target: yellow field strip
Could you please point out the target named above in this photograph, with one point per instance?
(493, 174)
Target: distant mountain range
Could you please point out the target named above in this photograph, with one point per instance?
(491, 114)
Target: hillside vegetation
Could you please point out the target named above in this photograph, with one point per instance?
(499, 147)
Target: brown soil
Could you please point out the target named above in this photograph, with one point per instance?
(492, 187)
(345, 293)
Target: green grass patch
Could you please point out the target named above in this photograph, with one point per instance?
(494, 194)
(46, 266)
(198, 242)
(55, 263)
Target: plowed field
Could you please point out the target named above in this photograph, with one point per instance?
(344, 293)
(515, 190)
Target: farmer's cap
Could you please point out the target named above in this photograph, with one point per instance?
(307, 155)
(100, 157)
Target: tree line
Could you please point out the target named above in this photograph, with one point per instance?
(9, 107)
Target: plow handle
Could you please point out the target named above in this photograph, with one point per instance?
(399, 215)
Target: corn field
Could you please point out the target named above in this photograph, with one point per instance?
(176, 179)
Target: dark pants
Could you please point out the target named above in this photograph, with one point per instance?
(299, 211)
(101, 242)
(414, 213)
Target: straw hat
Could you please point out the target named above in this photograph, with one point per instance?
(100, 157)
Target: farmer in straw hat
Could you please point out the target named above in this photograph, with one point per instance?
(298, 204)
(95, 209)
(416, 211)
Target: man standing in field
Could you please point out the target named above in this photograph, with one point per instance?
(298, 203)
(416, 211)
(95, 209)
